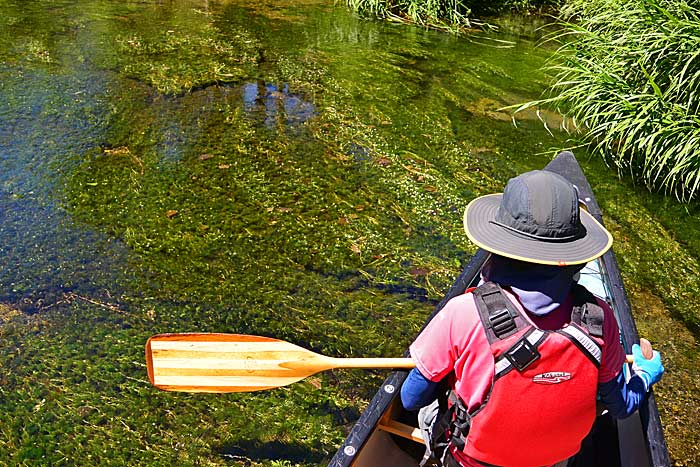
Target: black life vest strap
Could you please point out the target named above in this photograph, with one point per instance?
(587, 320)
(501, 319)
(461, 423)
(521, 354)
(437, 446)
(498, 314)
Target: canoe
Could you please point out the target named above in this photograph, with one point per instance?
(386, 435)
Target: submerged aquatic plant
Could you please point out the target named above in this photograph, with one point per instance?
(627, 72)
(175, 62)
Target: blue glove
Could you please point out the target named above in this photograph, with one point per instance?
(649, 370)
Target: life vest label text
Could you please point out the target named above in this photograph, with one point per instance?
(553, 377)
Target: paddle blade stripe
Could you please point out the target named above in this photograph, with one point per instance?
(211, 337)
(223, 385)
(214, 389)
(245, 383)
(235, 372)
(194, 355)
(218, 346)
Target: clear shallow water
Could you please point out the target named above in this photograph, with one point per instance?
(68, 94)
(281, 168)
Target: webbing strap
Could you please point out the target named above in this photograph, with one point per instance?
(461, 423)
(584, 342)
(499, 316)
(586, 311)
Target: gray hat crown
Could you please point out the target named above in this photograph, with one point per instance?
(541, 205)
(536, 219)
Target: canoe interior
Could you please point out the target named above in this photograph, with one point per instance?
(638, 441)
(603, 448)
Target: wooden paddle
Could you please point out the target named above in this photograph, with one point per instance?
(204, 362)
(210, 362)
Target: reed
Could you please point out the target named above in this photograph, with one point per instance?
(627, 73)
(446, 15)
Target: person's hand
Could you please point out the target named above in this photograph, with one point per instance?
(650, 370)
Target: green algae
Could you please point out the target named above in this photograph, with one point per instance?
(176, 61)
(315, 196)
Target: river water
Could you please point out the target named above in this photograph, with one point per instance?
(276, 168)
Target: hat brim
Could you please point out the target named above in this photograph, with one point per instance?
(501, 241)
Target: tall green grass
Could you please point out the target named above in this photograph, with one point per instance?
(449, 15)
(628, 74)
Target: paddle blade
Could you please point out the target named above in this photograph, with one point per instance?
(209, 362)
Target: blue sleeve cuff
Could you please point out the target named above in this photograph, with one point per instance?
(417, 391)
(644, 376)
(622, 398)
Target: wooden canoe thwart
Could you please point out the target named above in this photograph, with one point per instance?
(214, 362)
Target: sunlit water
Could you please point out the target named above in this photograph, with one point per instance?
(62, 86)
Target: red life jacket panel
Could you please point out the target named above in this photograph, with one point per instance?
(543, 400)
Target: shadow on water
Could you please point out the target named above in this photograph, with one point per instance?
(56, 262)
(48, 258)
(270, 451)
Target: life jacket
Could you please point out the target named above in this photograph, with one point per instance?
(542, 402)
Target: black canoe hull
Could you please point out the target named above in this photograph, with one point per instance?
(634, 442)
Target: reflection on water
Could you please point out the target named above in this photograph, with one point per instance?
(66, 101)
(275, 106)
(176, 129)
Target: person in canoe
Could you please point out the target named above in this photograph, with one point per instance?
(524, 356)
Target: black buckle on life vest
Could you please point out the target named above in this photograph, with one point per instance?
(502, 322)
(522, 354)
(460, 425)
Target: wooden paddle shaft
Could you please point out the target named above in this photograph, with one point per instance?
(373, 363)
(645, 345)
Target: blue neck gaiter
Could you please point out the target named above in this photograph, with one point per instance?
(539, 287)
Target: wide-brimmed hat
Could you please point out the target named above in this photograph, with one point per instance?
(536, 219)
